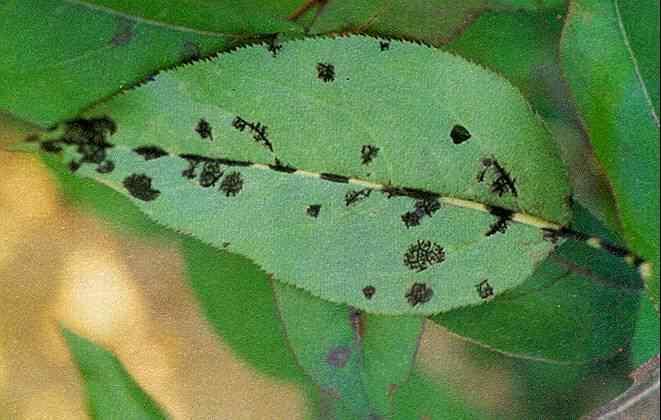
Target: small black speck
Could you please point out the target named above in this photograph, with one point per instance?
(368, 152)
(326, 72)
(139, 186)
(418, 294)
(106, 167)
(384, 45)
(484, 289)
(423, 254)
(74, 166)
(232, 184)
(226, 244)
(369, 292)
(459, 134)
(313, 210)
(203, 128)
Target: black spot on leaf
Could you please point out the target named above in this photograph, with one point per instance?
(459, 134)
(232, 184)
(139, 186)
(211, 173)
(410, 219)
(368, 152)
(273, 46)
(384, 45)
(105, 167)
(425, 207)
(326, 72)
(503, 217)
(313, 210)
(354, 196)
(258, 131)
(484, 289)
(203, 128)
(369, 291)
(334, 178)
(502, 181)
(150, 152)
(419, 293)
(423, 254)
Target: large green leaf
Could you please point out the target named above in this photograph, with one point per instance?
(358, 359)
(402, 225)
(618, 110)
(111, 392)
(578, 306)
(57, 56)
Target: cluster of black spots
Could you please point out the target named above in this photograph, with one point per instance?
(313, 210)
(257, 129)
(326, 72)
(89, 137)
(150, 152)
(459, 134)
(212, 171)
(423, 254)
(354, 196)
(232, 184)
(367, 153)
(139, 186)
(384, 45)
(484, 289)
(193, 162)
(423, 207)
(502, 182)
(419, 293)
(203, 128)
(368, 292)
(503, 217)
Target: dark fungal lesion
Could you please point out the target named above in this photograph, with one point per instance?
(89, 137)
(203, 128)
(258, 130)
(423, 254)
(369, 292)
(139, 186)
(313, 210)
(503, 218)
(279, 166)
(425, 207)
(459, 134)
(484, 289)
(232, 184)
(325, 72)
(384, 45)
(211, 172)
(354, 196)
(418, 294)
(368, 153)
(502, 180)
(150, 152)
(334, 178)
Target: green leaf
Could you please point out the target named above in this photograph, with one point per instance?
(111, 392)
(58, 57)
(405, 214)
(646, 337)
(617, 108)
(359, 359)
(577, 307)
(227, 17)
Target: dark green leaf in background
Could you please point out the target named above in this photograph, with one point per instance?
(111, 392)
(619, 111)
(58, 57)
(359, 359)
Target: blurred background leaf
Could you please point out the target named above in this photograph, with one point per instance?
(111, 392)
(600, 61)
(58, 57)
